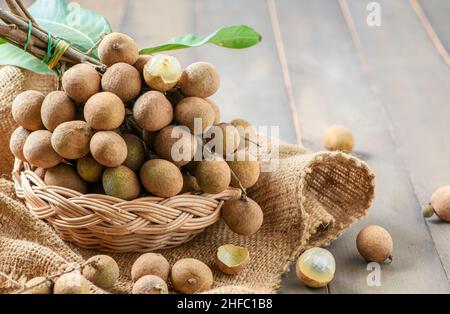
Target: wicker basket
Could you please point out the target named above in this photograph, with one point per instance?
(109, 224)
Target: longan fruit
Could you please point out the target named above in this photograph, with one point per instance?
(191, 276)
(246, 131)
(45, 286)
(152, 111)
(102, 271)
(213, 176)
(108, 149)
(71, 139)
(246, 168)
(150, 285)
(375, 244)
(65, 176)
(121, 182)
(200, 79)
(117, 47)
(243, 216)
(190, 184)
(122, 80)
(17, 142)
(57, 108)
(71, 283)
(136, 152)
(81, 82)
(38, 150)
(179, 139)
(439, 205)
(338, 138)
(216, 109)
(150, 264)
(162, 72)
(26, 110)
(104, 111)
(161, 178)
(192, 108)
(226, 137)
(141, 62)
(89, 169)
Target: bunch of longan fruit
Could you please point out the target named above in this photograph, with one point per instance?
(113, 133)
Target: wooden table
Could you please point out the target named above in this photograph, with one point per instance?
(321, 64)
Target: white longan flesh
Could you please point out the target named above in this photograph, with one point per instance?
(316, 267)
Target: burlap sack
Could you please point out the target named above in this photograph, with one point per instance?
(310, 200)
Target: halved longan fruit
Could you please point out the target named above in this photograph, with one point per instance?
(375, 244)
(121, 182)
(191, 276)
(216, 109)
(71, 139)
(17, 142)
(108, 148)
(150, 264)
(102, 271)
(175, 144)
(225, 137)
(152, 111)
(243, 216)
(213, 176)
(104, 111)
(57, 108)
(81, 82)
(200, 79)
(316, 267)
(122, 80)
(338, 138)
(71, 283)
(136, 152)
(26, 110)
(191, 108)
(162, 72)
(246, 168)
(150, 285)
(65, 176)
(117, 47)
(161, 178)
(38, 150)
(89, 169)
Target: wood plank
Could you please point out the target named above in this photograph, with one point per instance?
(330, 88)
(413, 85)
(438, 12)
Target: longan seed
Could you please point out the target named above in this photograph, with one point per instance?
(191, 108)
(122, 80)
(81, 82)
(108, 149)
(152, 111)
(104, 111)
(65, 176)
(161, 178)
(200, 79)
(26, 110)
(117, 47)
(17, 142)
(71, 139)
(213, 176)
(174, 142)
(38, 150)
(57, 108)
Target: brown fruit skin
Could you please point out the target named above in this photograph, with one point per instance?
(175, 96)
(26, 110)
(71, 283)
(200, 79)
(108, 149)
(89, 169)
(57, 108)
(121, 182)
(185, 141)
(104, 111)
(246, 132)
(104, 273)
(247, 170)
(152, 111)
(213, 176)
(45, 288)
(216, 109)
(190, 184)
(116, 48)
(234, 269)
(161, 178)
(140, 64)
(38, 150)
(374, 244)
(150, 264)
(440, 201)
(136, 152)
(71, 139)
(17, 142)
(65, 176)
(81, 82)
(191, 276)
(228, 138)
(243, 217)
(122, 80)
(338, 138)
(191, 108)
(150, 285)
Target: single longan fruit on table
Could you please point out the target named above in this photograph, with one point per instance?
(162, 72)
(102, 271)
(152, 111)
(440, 204)
(108, 149)
(246, 168)
(26, 110)
(338, 138)
(123, 80)
(161, 178)
(375, 244)
(200, 79)
(71, 283)
(17, 142)
(136, 152)
(71, 139)
(175, 144)
(216, 109)
(243, 216)
(104, 111)
(65, 176)
(141, 62)
(191, 108)
(213, 176)
(150, 264)
(150, 285)
(121, 182)
(81, 82)
(89, 169)
(116, 48)
(45, 286)
(57, 108)
(191, 276)
(226, 138)
(38, 150)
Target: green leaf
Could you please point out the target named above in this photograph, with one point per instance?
(2, 41)
(236, 37)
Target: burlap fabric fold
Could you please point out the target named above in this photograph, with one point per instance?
(310, 200)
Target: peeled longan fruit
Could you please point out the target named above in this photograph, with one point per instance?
(81, 82)
(316, 267)
(122, 80)
(141, 62)
(375, 244)
(150, 264)
(65, 176)
(213, 176)
(200, 79)
(190, 184)
(216, 109)
(232, 259)
(71, 283)
(152, 111)
(243, 216)
(108, 149)
(226, 138)
(440, 204)
(71, 139)
(246, 168)
(161, 178)
(162, 72)
(89, 169)
(175, 144)
(26, 110)
(104, 111)
(338, 138)
(38, 150)
(117, 47)
(121, 182)
(192, 108)
(150, 285)
(136, 152)
(191, 276)
(57, 108)
(102, 271)
(17, 142)
(45, 286)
